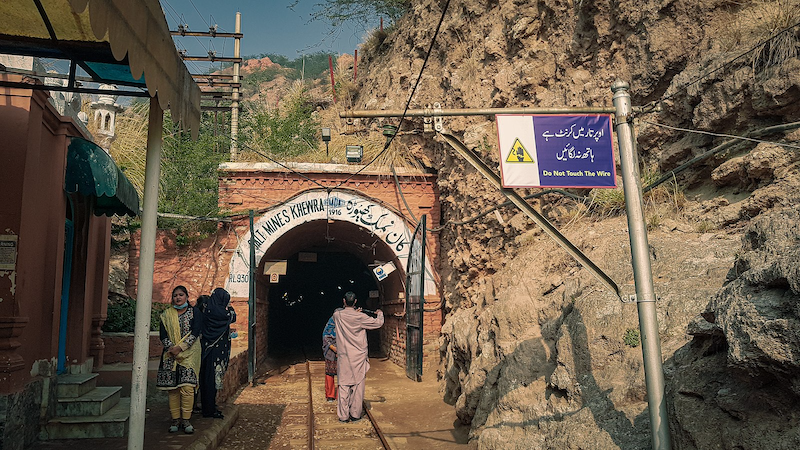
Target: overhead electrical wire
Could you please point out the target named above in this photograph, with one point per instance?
(724, 146)
(198, 13)
(410, 97)
(731, 136)
(247, 147)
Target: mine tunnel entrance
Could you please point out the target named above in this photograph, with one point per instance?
(324, 259)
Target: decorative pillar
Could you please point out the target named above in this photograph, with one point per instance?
(96, 345)
(12, 374)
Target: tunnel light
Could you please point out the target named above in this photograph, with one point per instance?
(326, 138)
(354, 153)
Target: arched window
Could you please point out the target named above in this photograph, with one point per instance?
(107, 124)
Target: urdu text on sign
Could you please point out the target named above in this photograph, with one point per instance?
(568, 151)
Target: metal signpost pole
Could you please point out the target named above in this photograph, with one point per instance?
(251, 308)
(642, 273)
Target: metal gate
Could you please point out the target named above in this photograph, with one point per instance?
(415, 300)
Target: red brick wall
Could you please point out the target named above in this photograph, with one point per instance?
(119, 347)
(200, 266)
(235, 377)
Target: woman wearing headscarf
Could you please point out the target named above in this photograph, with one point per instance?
(217, 318)
(180, 360)
(329, 352)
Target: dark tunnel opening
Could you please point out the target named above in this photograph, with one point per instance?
(301, 303)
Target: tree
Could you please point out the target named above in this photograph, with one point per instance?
(189, 171)
(337, 12)
(283, 132)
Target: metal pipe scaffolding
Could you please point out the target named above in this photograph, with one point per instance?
(431, 112)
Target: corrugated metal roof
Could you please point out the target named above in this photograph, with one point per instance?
(124, 42)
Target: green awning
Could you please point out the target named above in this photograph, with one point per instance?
(93, 173)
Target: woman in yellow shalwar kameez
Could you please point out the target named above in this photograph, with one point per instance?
(180, 360)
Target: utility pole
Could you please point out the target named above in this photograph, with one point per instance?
(219, 87)
(235, 102)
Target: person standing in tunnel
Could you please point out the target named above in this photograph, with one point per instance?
(329, 352)
(353, 360)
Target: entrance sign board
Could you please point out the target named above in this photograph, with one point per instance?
(312, 205)
(567, 151)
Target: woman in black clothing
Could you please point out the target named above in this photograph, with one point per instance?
(217, 318)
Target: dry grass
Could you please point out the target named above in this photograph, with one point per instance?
(129, 147)
(705, 226)
(759, 21)
(346, 88)
(296, 92)
(374, 40)
(471, 66)
(342, 135)
(663, 200)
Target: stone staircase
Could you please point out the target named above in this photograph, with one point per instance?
(85, 410)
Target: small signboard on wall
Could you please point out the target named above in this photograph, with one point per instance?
(275, 267)
(307, 257)
(383, 271)
(274, 278)
(8, 252)
(561, 150)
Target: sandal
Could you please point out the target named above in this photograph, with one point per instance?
(187, 427)
(176, 423)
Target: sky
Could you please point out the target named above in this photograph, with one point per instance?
(282, 27)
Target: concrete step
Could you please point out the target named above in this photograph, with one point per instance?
(93, 403)
(113, 423)
(75, 385)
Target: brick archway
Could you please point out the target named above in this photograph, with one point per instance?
(329, 206)
(308, 207)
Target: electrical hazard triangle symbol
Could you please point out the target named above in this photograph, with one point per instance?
(518, 153)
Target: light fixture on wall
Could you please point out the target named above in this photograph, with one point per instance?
(389, 131)
(354, 153)
(326, 137)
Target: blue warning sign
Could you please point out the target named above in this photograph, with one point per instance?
(560, 151)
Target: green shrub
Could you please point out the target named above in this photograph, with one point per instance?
(121, 315)
(632, 338)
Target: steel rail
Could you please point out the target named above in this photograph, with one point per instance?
(310, 408)
(377, 428)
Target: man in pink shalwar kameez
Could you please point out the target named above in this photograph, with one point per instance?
(353, 362)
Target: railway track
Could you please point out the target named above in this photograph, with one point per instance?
(309, 421)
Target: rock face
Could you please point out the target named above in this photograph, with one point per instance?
(741, 370)
(535, 353)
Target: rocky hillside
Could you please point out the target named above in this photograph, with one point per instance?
(535, 352)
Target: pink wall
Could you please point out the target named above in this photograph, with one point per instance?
(33, 156)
